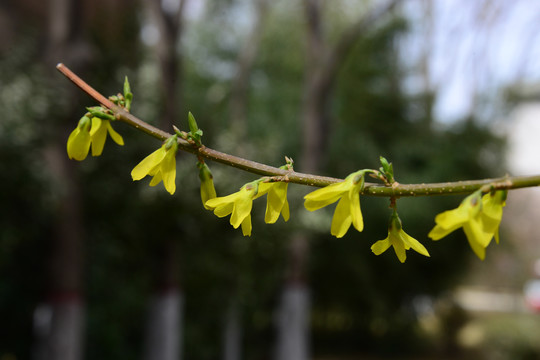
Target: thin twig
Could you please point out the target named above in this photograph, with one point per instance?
(401, 190)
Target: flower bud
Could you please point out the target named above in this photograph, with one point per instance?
(208, 190)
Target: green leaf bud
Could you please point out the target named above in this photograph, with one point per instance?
(387, 169)
(99, 112)
(128, 95)
(114, 99)
(193, 124)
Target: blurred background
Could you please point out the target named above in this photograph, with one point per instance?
(95, 266)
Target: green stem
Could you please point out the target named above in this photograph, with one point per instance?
(372, 189)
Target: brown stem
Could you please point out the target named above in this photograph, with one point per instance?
(84, 86)
(396, 190)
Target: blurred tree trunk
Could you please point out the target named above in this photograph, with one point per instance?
(294, 306)
(293, 312)
(164, 322)
(168, 20)
(241, 82)
(314, 117)
(322, 65)
(165, 316)
(425, 71)
(59, 322)
(232, 332)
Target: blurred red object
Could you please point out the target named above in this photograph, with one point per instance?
(532, 294)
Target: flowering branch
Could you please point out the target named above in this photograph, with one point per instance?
(372, 189)
(479, 214)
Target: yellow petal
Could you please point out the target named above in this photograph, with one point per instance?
(148, 163)
(326, 196)
(208, 191)
(156, 179)
(155, 169)
(478, 239)
(98, 133)
(482, 237)
(221, 201)
(413, 243)
(497, 235)
(356, 212)
(478, 249)
(380, 246)
(70, 140)
(312, 205)
(438, 232)
(451, 220)
(246, 226)
(492, 211)
(285, 211)
(329, 192)
(117, 138)
(78, 144)
(399, 247)
(264, 187)
(276, 199)
(96, 125)
(168, 170)
(342, 218)
(242, 208)
(224, 209)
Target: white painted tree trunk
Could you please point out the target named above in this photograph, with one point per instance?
(232, 335)
(164, 327)
(58, 330)
(293, 324)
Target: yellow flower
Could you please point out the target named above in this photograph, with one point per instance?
(98, 133)
(90, 132)
(398, 239)
(276, 200)
(161, 164)
(79, 140)
(207, 184)
(479, 217)
(348, 208)
(238, 205)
